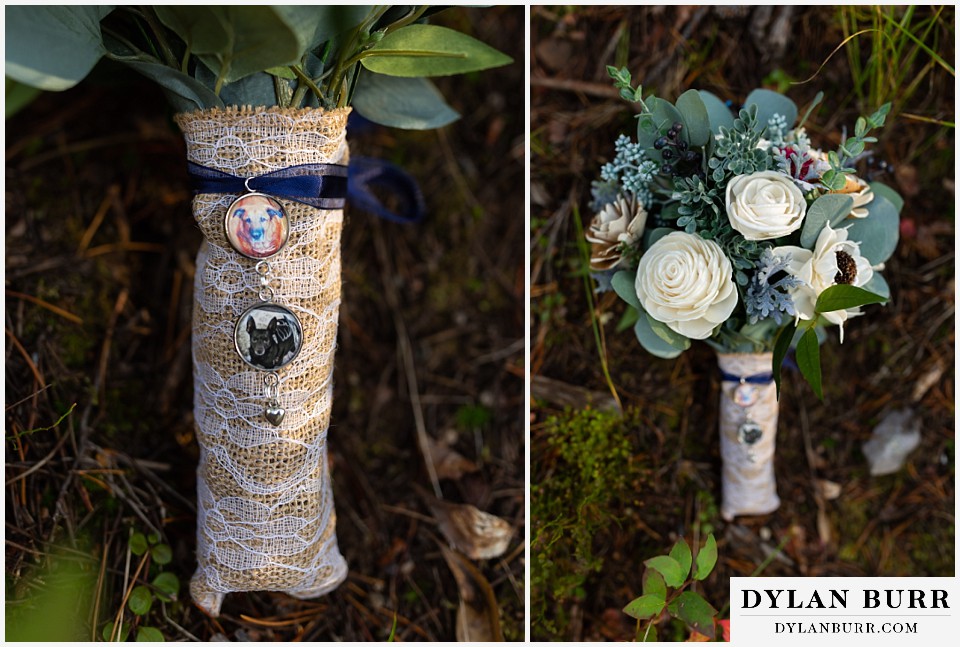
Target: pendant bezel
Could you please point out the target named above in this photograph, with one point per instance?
(254, 314)
(236, 238)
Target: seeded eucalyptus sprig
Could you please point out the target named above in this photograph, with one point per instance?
(622, 80)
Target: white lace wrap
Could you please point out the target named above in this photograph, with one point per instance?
(266, 519)
(749, 484)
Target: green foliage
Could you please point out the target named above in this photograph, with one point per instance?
(623, 82)
(737, 152)
(586, 473)
(835, 178)
(140, 600)
(829, 208)
(428, 50)
(149, 635)
(673, 571)
(767, 104)
(210, 56)
(878, 233)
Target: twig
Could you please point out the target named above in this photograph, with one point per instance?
(69, 316)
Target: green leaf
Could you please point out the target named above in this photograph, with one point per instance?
(844, 297)
(808, 359)
(149, 635)
(651, 126)
(681, 553)
(124, 632)
(653, 583)
(878, 233)
(411, 103)
(668, 334)
(878, 285)
(629, 319)
(168, 584)
(647, 634)
(830, 207)
(770, 103)
(696, 121)
(653, 235)
(53, 47)
(654, 343)
(780, 348)
(879, 188)
(140, 600)
(18, 96)
(184, 92)
(200, 27)
(428, 50)
(253, 90)
(667, 566)
(284, 72)
(316, 24)
(161, 554)
(624, 284)
(706, 559)
(695, 611)
(717, 111)
(138, 543)
(153, 538)
(645, 606)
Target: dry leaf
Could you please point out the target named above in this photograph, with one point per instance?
(478, 618)
(926, 381)
(449, 463)
(477, 534)
(828, 489)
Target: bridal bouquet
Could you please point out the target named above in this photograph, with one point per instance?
(739, 230)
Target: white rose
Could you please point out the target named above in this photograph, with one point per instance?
(620, 223)
(764, 205)
(834, 260)
(687, 283)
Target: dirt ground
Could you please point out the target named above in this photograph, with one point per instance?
(100, 249)
(895, 357)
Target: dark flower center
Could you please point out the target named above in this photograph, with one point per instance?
(847, 269)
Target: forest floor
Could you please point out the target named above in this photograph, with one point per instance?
(612, 490)
(100, 249)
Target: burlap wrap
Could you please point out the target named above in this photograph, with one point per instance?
(749, 487)
(265, 507)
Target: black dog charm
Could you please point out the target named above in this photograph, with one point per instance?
(269, 347)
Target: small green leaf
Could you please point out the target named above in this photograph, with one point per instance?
(647, 634)
(624, 284)
(138, 543)
(844, 297)
(681, 553)
(161, 554)
(832, 208)
(717, 110)
(429, 50)
(653, 583)
(667, 566)
(149, 635)
(695, 118)
(283, 71)
(153, 538)
(706, 559)
(808, 359)
(124, 633)
(140, 600)
(628, 320)
(654, 343)
(696, 612)
(167, 584)
(645, 606)
(780, 348)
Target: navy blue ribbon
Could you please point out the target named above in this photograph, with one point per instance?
(326, 186)
(759, 378)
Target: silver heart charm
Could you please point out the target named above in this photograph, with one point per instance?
(274, 414)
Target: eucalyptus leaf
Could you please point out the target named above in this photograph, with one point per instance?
(717, 111)
(830, 207)
(808, 359)
(696, 120)
(429, 50)
(878, 285)
(314, 24)
(53, 47)
(284, 72)
(844, 297)
(624, 284)
(878, 233)
(653, 343)
(667, 566)
(653, 235)
(668, 334)
(202, 28)
(628, 320)
(651, 127)
(770, 103)
(253, 90)
(645, 606)
(879, 188)
(399, 102)
(184, 92)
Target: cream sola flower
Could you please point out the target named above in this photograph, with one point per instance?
(686, 282)
(833, 261)
(620, 223)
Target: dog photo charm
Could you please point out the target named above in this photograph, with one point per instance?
(256, 225)
(268, 336)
